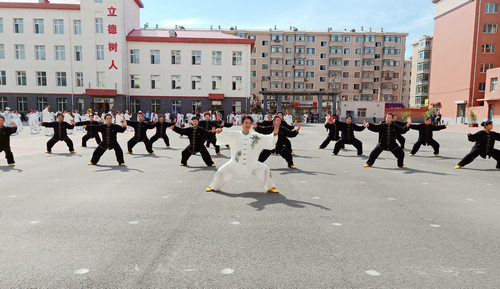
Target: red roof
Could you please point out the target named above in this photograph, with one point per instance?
(183, 36)
(58, 6)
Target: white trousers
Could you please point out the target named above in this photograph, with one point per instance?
(225, 173)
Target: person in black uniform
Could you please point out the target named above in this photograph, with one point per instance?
(161, 127)
(280, 147)
(425, 135)
(60, 133)
(333, 133)
(399, 136)
(5, 133)
(109, 142)
(140, 129)
(221, 124)
(484, 147)
(387, 139)
(207, 124)
(348, 137)
(197, 137)
(90, 134)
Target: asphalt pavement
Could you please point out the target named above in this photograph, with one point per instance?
(335, 224)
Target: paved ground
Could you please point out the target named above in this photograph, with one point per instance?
(151, 224)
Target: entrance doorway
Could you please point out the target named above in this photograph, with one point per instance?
(103, 104)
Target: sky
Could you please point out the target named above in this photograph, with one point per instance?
(415, 17)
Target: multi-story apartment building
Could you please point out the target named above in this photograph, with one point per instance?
(361, 65)
(422, 56)
(94, 54)
(464, 48)
(407, 74)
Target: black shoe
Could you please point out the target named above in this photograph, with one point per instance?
(498, 166)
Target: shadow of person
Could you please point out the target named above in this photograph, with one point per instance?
(263, 199)
(116, 168)
(294, 171)
(480, 170)
(68, 155)
(202, 169)
(155, 156)
(409, 171)
(10, 168)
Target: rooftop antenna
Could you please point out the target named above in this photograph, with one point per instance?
(219, 26)
(175, 26)
(361, 28)
(290, 27)
(382, 29)
(156, 26)
(211, 27)
(235, 27)
(274, 27)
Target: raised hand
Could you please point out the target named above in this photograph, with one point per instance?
(468, 134)
(13, 124)
(408, 121)
(217, 131)
(254, 127)
(447, 123)
(300, 125)
(295, 123)
(222, 124)
(365, 123)
(213, 129)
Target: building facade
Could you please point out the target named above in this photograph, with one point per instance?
(407, 74)
(360, 65)
(464, 49)
(94, 54)
(422, 57)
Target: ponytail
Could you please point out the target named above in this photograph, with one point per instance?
(486, 123)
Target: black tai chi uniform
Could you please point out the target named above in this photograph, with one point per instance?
(333, 134)
(109, 141)
(387, 141)
(286, 142)
(399, 136)
(140, 129)
(197, 137)
(281, 147)
(60, 134)
(207, 125)
(425, 136)
(5, 133)
(484, 147)
(90, 134)
(348, 137)
(218, 124)
(161, 128)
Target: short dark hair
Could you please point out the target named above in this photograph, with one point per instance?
(246, 117)
(195, 117)
(1, 116)
(107, 114)
(59, 114)
(486, 123)
(427, 118)
(348, 116)
(389, 113)
(161, 115)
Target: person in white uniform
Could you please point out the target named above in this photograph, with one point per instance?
(127, 116)
(33, 121)
(245, 146)
(68, 119)
(77, 118)
(288, 118)
(46, 117)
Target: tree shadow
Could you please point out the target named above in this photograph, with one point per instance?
(116, 168)
(264, 199)
(299, 171)
(10, 168)
(409, 171)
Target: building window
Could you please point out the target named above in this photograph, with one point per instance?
(237, 58)
(20, 51)
(300, 37)
(98, 1)
(77, 27)
(3, 77)
(253, 61)
(60, 53)
(488, 48)
(300, 49)
(276, 84)
(376, 68)
(359, 39)
(265, 43)
(62, 104)
(265, 66)
(99, 26)
(176, 82)
(155, 82)
(135, 81)
(216, 105)
(370, 38)
(134, 56)
(42, 103)
(241, 34)
(79, 79)
(80, 104)
(345, 74)
(336, 38)
(347, 39)
(299, 61)
(41, 78)
(309, 62)
(196, 57)
(176, 56)
(482, 86)
(39, 52)
(336, 49)
(288, 74)
(58, 26)
(494, 83)
(78, 53)
(100, 52)
(21, 78)
(309, 85)
(216, 82)
(288, 50)
(310, 50)
(346, 63)
(216, 57)
(155, 105)
(101, 79)
(3, 102)
(298, 73)
(253, 73)
(491, 8)
(236, 106)
(253, 85)
(18, 25)
(196, 105)
(288, 62)
(345, 86)
(490, 28)
(288, 85)
(1, 25)
(276, 48)
(155, 56)
(265, 54)
(362, 111)
(38, 26)
(311, 38)
(485, 66)
(236, 83)
(22, 103)
(288, 38)
(196, 82)
(323, 56)
(298, 85)
(135, 106)
(60, 78)
(322, 67)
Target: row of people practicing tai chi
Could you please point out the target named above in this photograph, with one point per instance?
(391, 130)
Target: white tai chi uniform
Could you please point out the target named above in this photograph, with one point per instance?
(245, 151)
(288, 119)
(33, 122)
(47, 118)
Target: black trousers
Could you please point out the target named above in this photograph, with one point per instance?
(8, 154)
(475, 152)
(53, 141)
(284, 152)
(356, 143)
(133, 141)
(327, 141)
(86, 137)
(434, 144)
(186, 154)
(157, 137)
(99, 151)
(397, 152)
(213, 141)
(401, 139)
